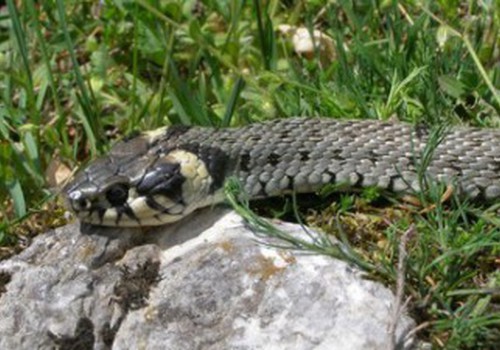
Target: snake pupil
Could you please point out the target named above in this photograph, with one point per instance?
(117, 194)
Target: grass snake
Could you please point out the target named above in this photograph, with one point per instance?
(161, 176)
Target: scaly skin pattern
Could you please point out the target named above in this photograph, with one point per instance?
(163, 175)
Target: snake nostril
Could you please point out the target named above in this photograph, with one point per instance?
(80, 204)
(117, 194)
(78, 201)
(83, 203)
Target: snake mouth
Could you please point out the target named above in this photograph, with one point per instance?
(135, 212)
(144, 211)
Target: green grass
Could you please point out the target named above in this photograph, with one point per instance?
(76, 76)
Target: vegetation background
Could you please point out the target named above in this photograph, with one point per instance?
(77, 75)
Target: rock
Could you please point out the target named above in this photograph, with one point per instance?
(203, 283)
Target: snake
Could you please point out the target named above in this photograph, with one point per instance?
(161, 176)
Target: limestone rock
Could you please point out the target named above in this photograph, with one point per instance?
(203, 283)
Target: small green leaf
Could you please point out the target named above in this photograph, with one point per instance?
(451, 86)
(17, 195)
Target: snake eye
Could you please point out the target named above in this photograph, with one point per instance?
(117, 194)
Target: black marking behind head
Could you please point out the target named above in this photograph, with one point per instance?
(163, 178)
(215, 160)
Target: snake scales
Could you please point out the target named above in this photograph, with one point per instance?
(163, 175)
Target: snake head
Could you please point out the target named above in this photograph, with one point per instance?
(133, 188)
(100, 192)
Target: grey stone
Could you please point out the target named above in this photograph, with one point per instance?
(203, 283)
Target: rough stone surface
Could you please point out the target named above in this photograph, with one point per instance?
(204, 283)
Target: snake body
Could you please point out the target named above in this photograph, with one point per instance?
(163, 175)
